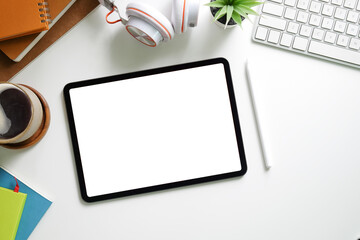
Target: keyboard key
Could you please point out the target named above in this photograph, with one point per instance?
(290, 3)
(328, 10)
(277, 1)
(352, 16)
(315, 20)
(290, 13)
(358, 6)
(325, 1)
(330, 37)
(300, 43)
(354, 44)
(352, 29)
(315, 7)
(343, 40)
(272, 22)
(340, 13)
(273, 9)
(334, 52)
(337, 2)
(327, 23)
(303, 4)
(349, 3)
(318, 34)
(302, 17)
(286, 40)
(339, 26)
(274, 36)
(305, 31)
(293, 27)
(261, 33)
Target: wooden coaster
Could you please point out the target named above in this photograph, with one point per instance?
(40, 133)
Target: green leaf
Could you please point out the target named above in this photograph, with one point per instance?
(237, 2)
(248, 10)
(220, 13)
(217, 4)
(229, 12)
(225, 2)
(237, 18)
(241, 12)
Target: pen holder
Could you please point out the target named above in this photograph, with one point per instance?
(24, 116)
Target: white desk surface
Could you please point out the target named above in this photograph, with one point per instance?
(310, 115)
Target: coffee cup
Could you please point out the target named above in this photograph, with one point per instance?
(22, 115)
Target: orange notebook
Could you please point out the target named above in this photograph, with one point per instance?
(22, 17)
(17, 48)
(79, 10)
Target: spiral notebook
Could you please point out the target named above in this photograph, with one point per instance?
(77, 12)
(17, 48)
(23, 17)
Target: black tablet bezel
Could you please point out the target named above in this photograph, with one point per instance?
(120, 77)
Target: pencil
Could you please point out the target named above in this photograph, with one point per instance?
(267, 161)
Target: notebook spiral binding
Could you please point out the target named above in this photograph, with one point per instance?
(44, 12)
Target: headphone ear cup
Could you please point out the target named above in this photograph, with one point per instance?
(143, 32)
(184, 14)
(144, 18)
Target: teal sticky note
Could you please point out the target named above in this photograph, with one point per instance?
(35, 206)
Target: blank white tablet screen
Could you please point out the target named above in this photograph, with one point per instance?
(155, 129)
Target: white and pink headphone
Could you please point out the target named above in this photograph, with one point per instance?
(149, 26)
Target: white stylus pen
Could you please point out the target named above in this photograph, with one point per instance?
(267, 161)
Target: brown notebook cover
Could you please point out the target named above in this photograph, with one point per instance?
(22, 17)
(79, 10)
(13, 48)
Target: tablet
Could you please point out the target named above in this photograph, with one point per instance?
(155, 129)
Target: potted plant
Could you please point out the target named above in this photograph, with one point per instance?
(232, 12)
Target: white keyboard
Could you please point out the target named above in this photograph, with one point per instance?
(327, 29)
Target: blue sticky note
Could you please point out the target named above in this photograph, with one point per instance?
(34, 209)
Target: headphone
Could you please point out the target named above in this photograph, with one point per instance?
(150, 27)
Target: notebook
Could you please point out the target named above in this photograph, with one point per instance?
(11, 208)
(79, 10)
(35, 207)
(17, 48)
(23, 17)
